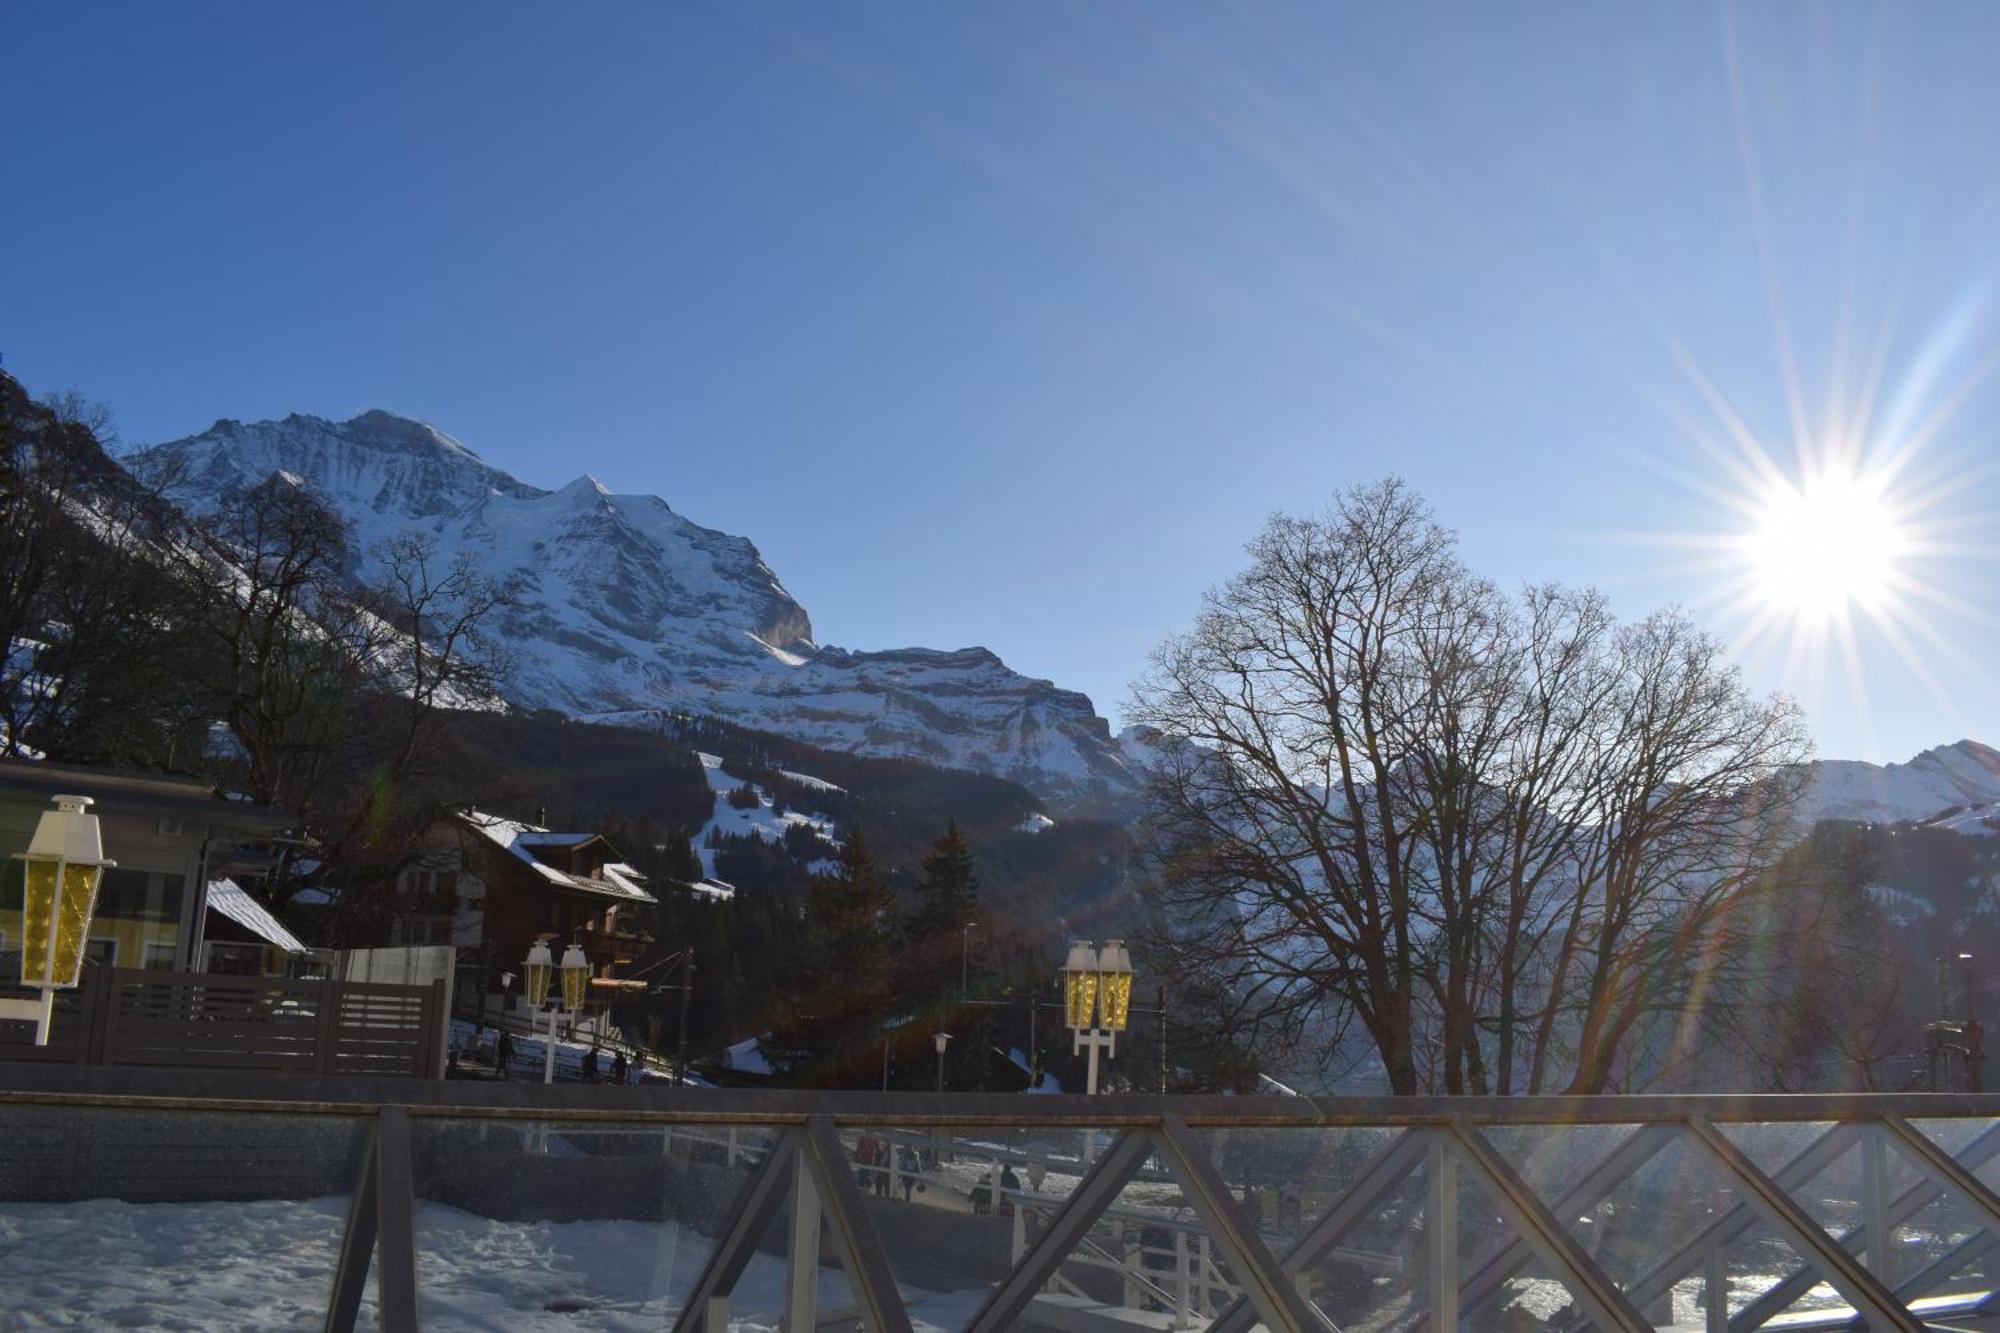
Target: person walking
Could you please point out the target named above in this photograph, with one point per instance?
(503, 1053)
(618, 1067)
(590, 1065)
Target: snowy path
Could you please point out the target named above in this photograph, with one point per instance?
(192, 1267)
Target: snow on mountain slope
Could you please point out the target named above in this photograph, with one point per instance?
(1966, 773)
(627, 611)
(761, 819)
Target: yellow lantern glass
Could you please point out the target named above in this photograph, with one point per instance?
(1080, 999)
(575, 977)
(538, 966)
(53, 889)
(1114, 985)
(1114, 1002)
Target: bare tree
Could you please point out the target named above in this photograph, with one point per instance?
(286, 643)
(442, 653)
(1496, 834)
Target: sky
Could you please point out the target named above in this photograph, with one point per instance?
(1010, 324)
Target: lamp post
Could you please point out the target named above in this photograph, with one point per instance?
(60, 873)
(1097, 999)
(942, 1040)
(541, 968)
(1974, 1034)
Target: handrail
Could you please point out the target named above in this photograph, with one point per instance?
(253, 1090)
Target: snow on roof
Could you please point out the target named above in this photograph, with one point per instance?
(227, 897)
(532, 837)
(519, 840)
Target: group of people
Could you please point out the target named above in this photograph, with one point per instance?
(878, 1161)
(503, 1060)
(882, 1167)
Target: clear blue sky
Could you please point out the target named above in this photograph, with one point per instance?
(1008, 323)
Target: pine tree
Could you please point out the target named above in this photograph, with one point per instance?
(827, 1024)
(945, 971)
(941, 948)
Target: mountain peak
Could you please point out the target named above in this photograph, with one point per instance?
(626, 609)
(1966, 772)
(585, 490)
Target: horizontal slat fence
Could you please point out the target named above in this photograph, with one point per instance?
(122, 1016)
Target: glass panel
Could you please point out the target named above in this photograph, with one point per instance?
(128, 1218)
(1557, 1159)
(956, 1209)
(1367, 1276)
(598, 1224)
(1774, 1147)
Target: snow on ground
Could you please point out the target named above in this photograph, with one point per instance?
(747, 1056)
(1979, 821)
(189, 1267)
(1050, 1083)
(531, 1054)
(763, 820)
(1902, 907)
(808, 780)
(1036, 822)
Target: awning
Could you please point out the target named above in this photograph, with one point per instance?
(227, 897)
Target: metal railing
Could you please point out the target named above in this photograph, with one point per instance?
(1634, 1209)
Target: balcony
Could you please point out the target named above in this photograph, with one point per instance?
(620, 946)
(494, 1204)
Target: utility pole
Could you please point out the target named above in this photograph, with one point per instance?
(1163, 1039)
(1974, 1035)
(687, 987)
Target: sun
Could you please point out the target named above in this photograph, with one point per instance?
(1826, 546)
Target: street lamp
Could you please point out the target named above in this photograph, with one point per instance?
(60, 873)
(1097, 999)
(541, 969)
(941, 1040)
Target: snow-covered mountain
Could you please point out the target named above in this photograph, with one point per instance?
(1966, 774)
(627, 610)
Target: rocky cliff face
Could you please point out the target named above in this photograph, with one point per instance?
(628, 610)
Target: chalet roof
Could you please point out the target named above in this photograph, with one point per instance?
(519, 840)
(227, 897)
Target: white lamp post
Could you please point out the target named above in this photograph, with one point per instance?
(60, 873)
(1097, 999)
(940, 1040)
(541, 969)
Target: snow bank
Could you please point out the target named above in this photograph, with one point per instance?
(269, 1265)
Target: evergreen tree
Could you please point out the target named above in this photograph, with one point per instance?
(945, 957)
(829, 1012)
(945, 973)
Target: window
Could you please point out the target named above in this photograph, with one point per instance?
(101, 951)
(236, 960)
(160, 955)
(140, 895)
(420, 930)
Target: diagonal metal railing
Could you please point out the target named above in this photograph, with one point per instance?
(830, 1186)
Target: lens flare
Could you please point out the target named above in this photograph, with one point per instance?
(1826, 546)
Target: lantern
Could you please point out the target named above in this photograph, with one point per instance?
(1080, 986)
(1114, 985)
(61, 870)
(539, 965)
(575, 977)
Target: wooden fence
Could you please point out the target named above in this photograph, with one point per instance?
(122, 1016)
